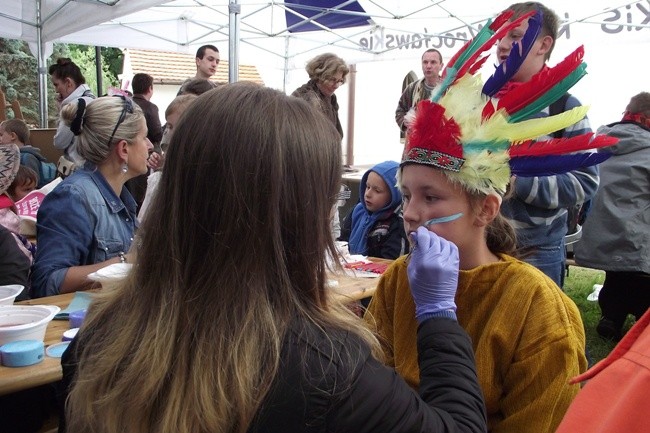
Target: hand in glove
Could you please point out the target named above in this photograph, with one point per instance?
(433, 274)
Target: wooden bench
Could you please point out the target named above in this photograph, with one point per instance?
(43, 138)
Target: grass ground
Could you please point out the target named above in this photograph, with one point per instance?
(578, 285)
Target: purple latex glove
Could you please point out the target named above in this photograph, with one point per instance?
(433, 274)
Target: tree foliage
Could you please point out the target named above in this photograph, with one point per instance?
(19, 75)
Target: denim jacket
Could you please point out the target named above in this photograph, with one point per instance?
(81, 222)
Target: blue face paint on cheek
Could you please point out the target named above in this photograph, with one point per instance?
(444, 219)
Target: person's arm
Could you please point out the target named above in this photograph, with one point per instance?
(382, 402)
(403, 106)
(394, 243)
(65, 241)
(558, 191)
(564, 190)
(153, 125)
(450, 399)
(346, 227)
(63, 137)
(14, 264)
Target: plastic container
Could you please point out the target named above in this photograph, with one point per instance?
(25, 322)
(76, 318)
(22, 353)
(9, 293)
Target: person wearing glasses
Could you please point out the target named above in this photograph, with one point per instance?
(88, 221)
(327, 72)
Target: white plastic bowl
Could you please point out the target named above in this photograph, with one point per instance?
(25, 322)
(9, 293)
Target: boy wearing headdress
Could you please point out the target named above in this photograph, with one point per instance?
(537, 206)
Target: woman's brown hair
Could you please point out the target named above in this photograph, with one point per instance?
(233, 250)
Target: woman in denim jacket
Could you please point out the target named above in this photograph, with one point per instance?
(88, 221)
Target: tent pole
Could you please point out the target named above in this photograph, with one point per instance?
(98, 70)
(352, 81)
(285, 77)
(234, 10)
(40, 59)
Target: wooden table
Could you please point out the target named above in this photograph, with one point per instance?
(49, 370)
(353, 288)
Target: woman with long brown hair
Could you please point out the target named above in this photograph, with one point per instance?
(225, 323)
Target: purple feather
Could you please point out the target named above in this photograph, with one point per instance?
(530, 166)
(518, 53)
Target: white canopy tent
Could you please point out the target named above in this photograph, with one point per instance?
(41, 22)
(384, 50)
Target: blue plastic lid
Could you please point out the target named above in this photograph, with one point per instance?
(21, 353)
(56, 350)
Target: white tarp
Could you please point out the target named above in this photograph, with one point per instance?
(616, 37)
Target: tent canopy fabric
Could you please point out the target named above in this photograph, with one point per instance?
(273, 33)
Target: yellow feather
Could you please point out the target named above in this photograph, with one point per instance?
(464, 102)
(498, 128)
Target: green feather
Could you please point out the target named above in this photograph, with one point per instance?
(490, 146)
(442, 87)
(481, 38)
(552, 95)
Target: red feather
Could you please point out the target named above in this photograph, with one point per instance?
(501, 19)
(453, 59)
(490, 42)
(541, 82)
(478, 65)
(488, 110)
(561, 146)
(496, 24)
(433, 131)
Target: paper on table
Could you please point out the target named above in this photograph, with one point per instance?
(80, 301)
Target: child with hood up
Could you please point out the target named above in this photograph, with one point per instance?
(375, 227)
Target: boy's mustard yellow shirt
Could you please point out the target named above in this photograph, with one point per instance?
(527, 335)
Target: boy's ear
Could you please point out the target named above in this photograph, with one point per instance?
(547, 43)
(489, 210)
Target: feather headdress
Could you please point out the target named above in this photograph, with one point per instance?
(480, 141)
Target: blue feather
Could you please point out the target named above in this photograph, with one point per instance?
(505, 71)
(554, 164)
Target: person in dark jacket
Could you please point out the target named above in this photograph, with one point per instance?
(226, 324)
(327, 72)
(142, 93)
(374, 227)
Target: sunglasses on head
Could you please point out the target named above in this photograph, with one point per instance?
(126, 108)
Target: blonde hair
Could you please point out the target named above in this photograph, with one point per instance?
(191, 341)
(99, 120)
(325, 66)
(180, 103)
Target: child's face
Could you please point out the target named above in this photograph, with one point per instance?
(20, 191)
(377, 193)
(171, 122)
(6, 137)
(427, 194)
